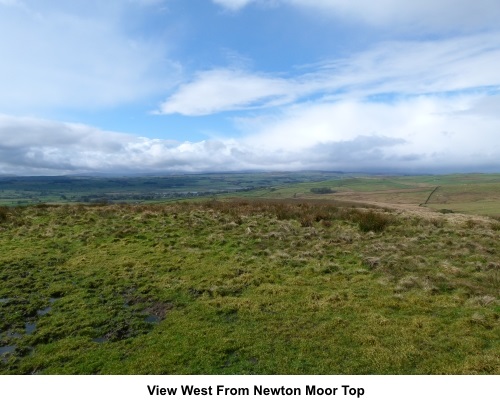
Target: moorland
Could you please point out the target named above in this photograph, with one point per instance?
(302, 273)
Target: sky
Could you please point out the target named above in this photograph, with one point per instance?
(171, 86)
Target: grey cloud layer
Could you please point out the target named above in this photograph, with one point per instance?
(30, 146)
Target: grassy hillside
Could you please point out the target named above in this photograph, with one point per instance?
(465, 193)
(240, 287)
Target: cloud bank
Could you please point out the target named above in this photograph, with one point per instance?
(410, 136)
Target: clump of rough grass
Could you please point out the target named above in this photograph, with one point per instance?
(495, 225)
(371, 221)
(3, 214)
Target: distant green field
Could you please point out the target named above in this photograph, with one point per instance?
(475, 198)
(467, 193)
(70, 189)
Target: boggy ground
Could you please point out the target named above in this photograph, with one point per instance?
(244, 287)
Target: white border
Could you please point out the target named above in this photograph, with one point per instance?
(133, 390)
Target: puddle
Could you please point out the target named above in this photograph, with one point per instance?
(4, 300)
(29, 327)
(44, 311)
(5, 352)
(14, 335)
(100, 340)
(152, 319)
(7, 349)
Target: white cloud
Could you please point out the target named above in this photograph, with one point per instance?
(407, 68)
(424, 14)
(10, 3)
(34, 146)
(225, 89)
(428, 66)
(148, 2)
(76, 54)
(233, 5)
(426, 133)
(443, 15)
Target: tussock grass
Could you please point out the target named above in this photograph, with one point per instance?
(370, 221)
(4, 211)
(237, 287)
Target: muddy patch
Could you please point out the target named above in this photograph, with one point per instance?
(154, 311)
(157, 311)
(152, 319)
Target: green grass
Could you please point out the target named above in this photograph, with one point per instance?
(471, 198)
(247, 287)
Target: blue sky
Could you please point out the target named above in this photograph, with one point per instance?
(125, 86)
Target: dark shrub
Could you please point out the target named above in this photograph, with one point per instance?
(3, 214)
(371, 221)
(306, 221)
(445, 211)
(322, 190)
